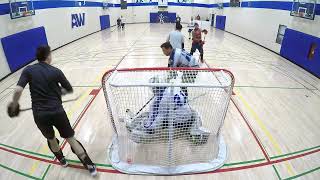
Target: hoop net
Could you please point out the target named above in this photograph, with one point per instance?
(167, 121)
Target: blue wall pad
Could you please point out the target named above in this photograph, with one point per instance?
(168, 17)
(20, 48)
(154, 18)
(104, 22)
(296, 47)
(220, 22)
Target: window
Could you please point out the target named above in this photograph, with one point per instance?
(280, 35)
(234, 3)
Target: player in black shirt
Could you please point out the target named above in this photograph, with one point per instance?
(47, 84)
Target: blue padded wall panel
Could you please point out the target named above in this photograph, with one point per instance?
(296, 46)
(104, 22)
(153, 17)
(170, 17)
(220, 22)
(20, 48)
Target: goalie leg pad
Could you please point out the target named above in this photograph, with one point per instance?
(199, 136)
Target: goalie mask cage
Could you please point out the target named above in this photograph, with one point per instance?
(167, 121)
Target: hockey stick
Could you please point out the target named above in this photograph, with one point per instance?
(65, 101)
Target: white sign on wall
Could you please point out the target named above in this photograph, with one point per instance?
(163, 3)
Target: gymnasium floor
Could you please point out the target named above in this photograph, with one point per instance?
(271, 128)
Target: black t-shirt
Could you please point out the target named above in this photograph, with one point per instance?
(45, 83)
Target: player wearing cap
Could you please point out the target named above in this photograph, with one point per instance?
(197, 42)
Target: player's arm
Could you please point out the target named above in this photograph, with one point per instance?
(23, 81)
(205, 31)
(182, 45)
(17, 94)
(65, 84)
(193, 35)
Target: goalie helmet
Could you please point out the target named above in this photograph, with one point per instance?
(157, 79)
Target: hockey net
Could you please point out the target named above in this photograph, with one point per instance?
(167, 121)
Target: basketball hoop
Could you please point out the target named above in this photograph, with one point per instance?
(301, 14)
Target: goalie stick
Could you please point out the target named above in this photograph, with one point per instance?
(132, 115)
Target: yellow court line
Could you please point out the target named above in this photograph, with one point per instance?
(264, 129)
(44, 149)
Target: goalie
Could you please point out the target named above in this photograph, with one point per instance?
(170, 110)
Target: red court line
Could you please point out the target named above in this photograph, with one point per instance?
(83, 113)
(252, 132)
(216, 171)
(250, 128)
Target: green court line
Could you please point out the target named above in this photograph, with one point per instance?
(19, 172)
(46, 172)
(297, 152)
(26, 151)
(302, 174)
(243, 162)
(278, 175)
(98, 164)
(110, 166)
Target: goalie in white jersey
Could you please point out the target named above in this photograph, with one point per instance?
(178, 57)
(169, 110)
(169, 102)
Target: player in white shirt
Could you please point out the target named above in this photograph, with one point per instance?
(123, 21)
(176, 38)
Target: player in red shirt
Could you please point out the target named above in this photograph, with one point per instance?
(197, 42)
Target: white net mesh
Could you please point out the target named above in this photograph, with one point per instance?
(167, 121)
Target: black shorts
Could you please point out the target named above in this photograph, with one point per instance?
(47, 120)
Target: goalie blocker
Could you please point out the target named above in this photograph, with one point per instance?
(161, 130)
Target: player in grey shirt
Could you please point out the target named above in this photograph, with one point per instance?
(176, 38)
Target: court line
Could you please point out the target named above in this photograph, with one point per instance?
(252, 131)
(46, 172)
(19, 172)
(216, 171)
(262, 126)
(70, 113)
(273, 87)
(108, 165)
(277, 172)
(264, 129)
(297, 152)
(302, 174)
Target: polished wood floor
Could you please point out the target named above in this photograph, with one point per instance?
(271, 129)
